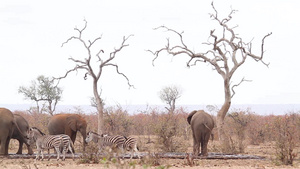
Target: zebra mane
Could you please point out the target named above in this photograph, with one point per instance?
(94, 133)
(38, 130)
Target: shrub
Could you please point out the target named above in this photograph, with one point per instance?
(169, 132)
(287, 137)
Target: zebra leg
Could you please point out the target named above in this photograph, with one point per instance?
(42, 152)
(49, 155)
(64, 154)
(136, 151)
(58, 152)
(70, 149)
(37, 155)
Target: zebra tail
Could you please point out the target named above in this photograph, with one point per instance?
(61, 145)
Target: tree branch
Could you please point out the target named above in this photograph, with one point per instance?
(120, 73)
(232, 88)
(260, 58)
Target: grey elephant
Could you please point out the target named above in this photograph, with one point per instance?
(201, 124)
(68, 124)
(6, 129)
(19, 134)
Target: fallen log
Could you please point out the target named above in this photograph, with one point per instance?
(172, 155)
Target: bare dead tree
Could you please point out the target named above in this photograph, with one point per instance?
(228, 52)
(85, 64)
(169, 95)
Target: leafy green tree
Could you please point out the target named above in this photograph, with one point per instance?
(42, 90)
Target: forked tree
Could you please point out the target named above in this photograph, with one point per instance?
(93, 66)
(169, 95)
(227, 53)
(43, 90)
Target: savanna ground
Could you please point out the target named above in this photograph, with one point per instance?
(266, 150)
(276, 138)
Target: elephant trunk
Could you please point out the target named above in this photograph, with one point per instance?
(83, 133)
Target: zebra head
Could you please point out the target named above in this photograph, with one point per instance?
(33, 134)
(92, 136)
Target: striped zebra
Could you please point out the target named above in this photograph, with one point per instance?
(113, 142)
(130, 144)
(121, 142)
(43, 141)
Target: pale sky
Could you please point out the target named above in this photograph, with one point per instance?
(31, 34)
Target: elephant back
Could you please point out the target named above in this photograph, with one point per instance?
(56, 124)
(6, 115)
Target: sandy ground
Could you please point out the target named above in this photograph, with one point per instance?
(212, 164)
(264, 150)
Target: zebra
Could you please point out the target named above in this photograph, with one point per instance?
(121, 142)
(44, 141)
(130, 144)
(113, 142)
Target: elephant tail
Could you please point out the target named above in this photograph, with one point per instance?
(189, 118)
(19, 130)
(210, 129)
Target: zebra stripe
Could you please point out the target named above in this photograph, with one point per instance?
(130, 144)
(121, 142)
(59, 142)
(106, 141)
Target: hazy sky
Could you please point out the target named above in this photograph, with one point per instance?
(31, 34)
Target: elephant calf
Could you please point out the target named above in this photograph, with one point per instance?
(201, 124)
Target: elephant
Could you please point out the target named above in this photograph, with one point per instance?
(19, 134)
(8, 126)
(68, 124)
(6, 129)
(201, 124)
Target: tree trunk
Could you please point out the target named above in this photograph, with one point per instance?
(99, 105)
(37, 107)
(222, 113)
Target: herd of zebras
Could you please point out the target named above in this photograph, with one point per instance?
(63, 143)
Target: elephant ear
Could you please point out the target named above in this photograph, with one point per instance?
(189, 118)
(72, 123)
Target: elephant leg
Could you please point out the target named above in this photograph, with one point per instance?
(73, 137)
(2, 142)
(29, 149)
(20, 147)
(6, 145)
(204, 144)
(196, 146)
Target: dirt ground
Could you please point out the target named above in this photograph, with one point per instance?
(264, 150)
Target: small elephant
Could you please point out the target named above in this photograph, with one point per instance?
(19, 134)
(68, 124)
(201, 124)
(6, 129)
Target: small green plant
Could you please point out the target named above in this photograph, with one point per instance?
(105, 161)
(163, 167)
